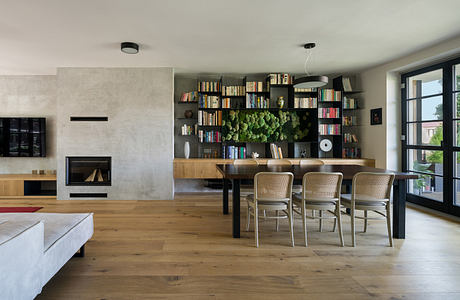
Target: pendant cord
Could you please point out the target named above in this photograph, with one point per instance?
(309, 53)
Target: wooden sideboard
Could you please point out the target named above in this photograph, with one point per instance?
(24, 186)
(205, 168)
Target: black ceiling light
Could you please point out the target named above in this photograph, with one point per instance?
(129, 47)
(309, 81)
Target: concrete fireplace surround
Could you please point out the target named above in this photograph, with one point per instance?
(138, 134)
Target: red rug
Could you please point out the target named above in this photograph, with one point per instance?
(27, 209)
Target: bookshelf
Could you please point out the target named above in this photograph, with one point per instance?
(350, 119)
(215, 97)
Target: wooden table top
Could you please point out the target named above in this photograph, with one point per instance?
(28, 177)
(230, 171)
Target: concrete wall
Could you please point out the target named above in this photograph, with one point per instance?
(138, 135)
(30, 96)
(381, 85)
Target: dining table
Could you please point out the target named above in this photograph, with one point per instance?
(234, 174)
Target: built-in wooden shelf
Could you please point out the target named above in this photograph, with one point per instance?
(27, 186)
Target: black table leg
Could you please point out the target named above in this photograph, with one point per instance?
(225, 197)
(399, 209)
(236, 207)
(347, 184)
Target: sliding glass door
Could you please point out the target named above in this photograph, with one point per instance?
(431, 145)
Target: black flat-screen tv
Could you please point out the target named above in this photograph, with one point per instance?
(22, 137)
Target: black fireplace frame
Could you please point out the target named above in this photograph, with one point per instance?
(68, 178)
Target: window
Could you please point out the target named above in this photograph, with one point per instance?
(431, 125)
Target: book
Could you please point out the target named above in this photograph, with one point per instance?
(189, 97)
(284, 78)
(235, 90)
(305, 102)
(346, 84)
(328, 95)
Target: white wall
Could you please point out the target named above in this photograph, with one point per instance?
(30, 96)
(138, 135)
(381, 87)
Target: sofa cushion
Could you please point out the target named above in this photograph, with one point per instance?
(56, 225)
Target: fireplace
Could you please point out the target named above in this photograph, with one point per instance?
(88, 170)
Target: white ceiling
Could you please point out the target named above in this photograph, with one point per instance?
(237, 36)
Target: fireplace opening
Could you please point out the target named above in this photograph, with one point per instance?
(88, 170)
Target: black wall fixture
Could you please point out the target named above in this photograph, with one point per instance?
(88, 195)
(90, 119)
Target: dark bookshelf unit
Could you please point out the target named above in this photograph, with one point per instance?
(350, 116)
(219, 95)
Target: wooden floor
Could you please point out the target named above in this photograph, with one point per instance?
(183, 249)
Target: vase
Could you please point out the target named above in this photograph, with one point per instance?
(280, 101)
(187, 150)
(188, 114)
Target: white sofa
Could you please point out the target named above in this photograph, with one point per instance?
(34, 246)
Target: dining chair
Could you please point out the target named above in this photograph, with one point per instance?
(320, 191)
(246, 189)
(246, 162)
(278, 162)
(311, 162)
(272, 192)
(370, 192)
(306, 162)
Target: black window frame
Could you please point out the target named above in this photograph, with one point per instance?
(447, 146)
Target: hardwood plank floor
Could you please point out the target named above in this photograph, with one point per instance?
(183, 249)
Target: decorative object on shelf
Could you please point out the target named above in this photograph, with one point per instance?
(376, 116)
(34, 172)
(129, 48)
(280, 102)
(255, 155)
(187, 150)
(325, 145)
(310, 81)
(188, 114)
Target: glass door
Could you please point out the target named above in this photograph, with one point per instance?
(431, 135)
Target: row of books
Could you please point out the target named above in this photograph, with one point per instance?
(210, 118)
(305, 102)
(280, 78)
(207, 101)
(350, 103)
(328, 113)
(329, 129)
(210, 153)
(329, 95)
(349, 121)
(303, 90)
(189, 97)
(257, 101)
(350, 138)
(255, 86)
(189, 129)
(234, 90)
(209, 136)
(276, 151)
(209, 86)
(352, 152)
(234, 152)
(226, 103)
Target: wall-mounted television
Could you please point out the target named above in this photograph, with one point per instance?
(22, 137)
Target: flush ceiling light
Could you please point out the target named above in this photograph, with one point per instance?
(309, 81)
(129, 47)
